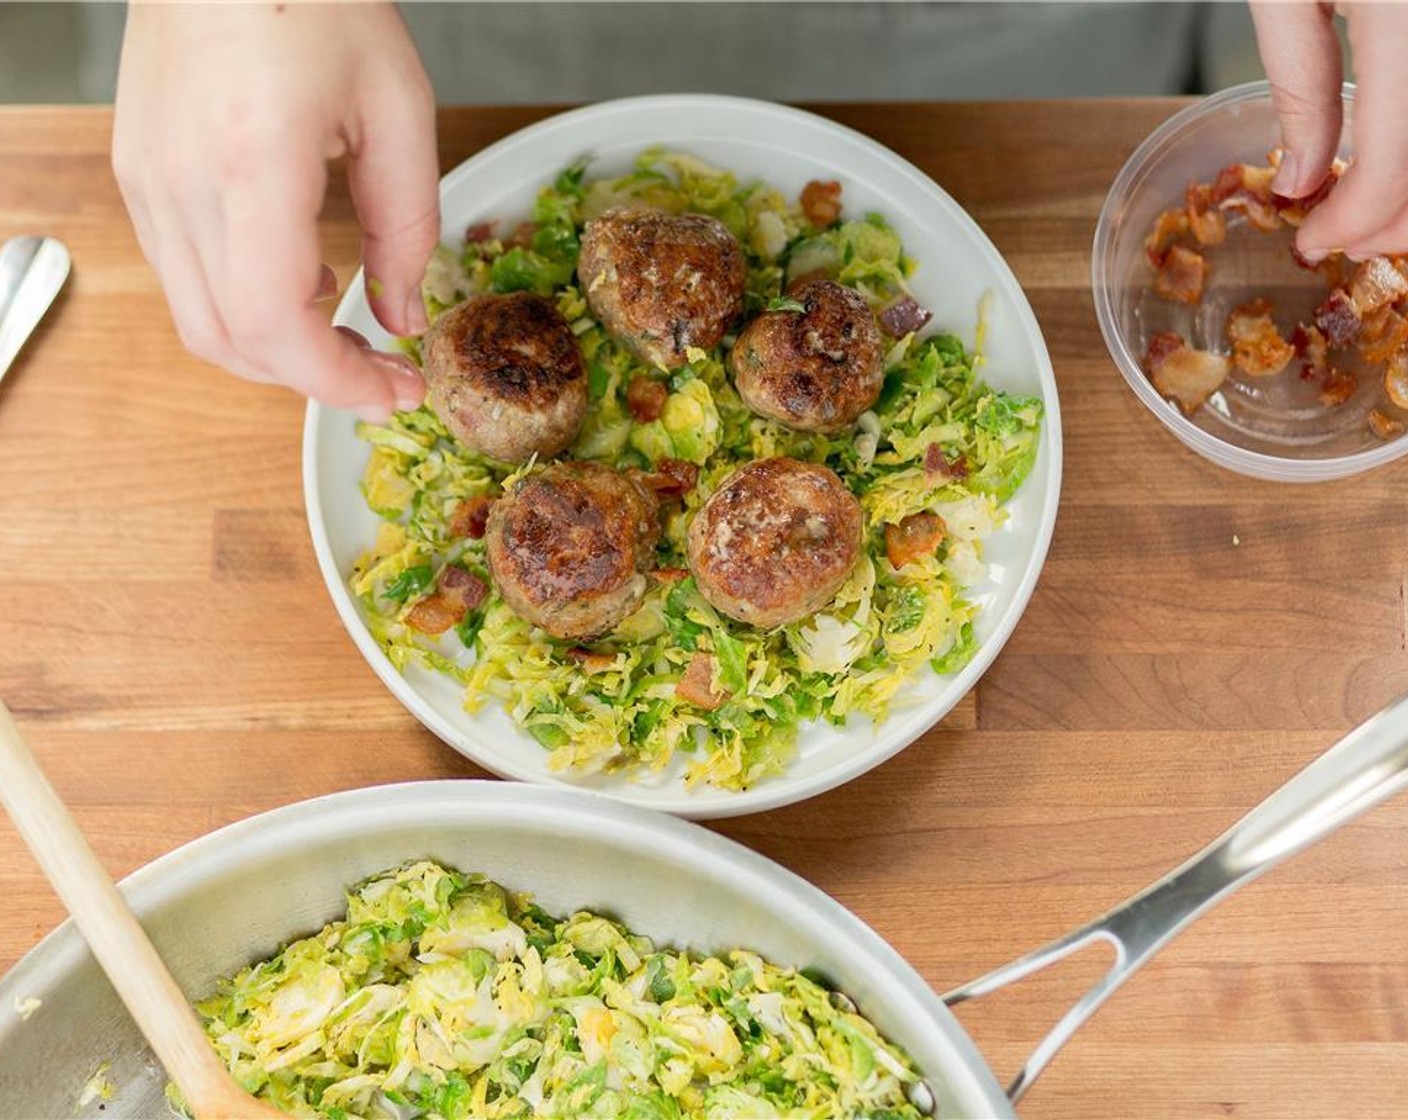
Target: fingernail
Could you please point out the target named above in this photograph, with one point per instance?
(327, 285)
(406, 381)
(357, 337)
(372, 413)
(1287, 180)
(416, 320)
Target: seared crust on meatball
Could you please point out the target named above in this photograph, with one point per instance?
(662, 282)
(568, 548)
(775, 542)
(505, 375)
(817, 369)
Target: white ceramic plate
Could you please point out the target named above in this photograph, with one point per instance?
(957, 267)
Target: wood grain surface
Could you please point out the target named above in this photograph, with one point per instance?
(1196, 637)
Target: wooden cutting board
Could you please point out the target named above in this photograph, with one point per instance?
(167, 645)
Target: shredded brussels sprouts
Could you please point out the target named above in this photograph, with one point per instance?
(443, 996)
(938, 439)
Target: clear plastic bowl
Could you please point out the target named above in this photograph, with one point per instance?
(1274, 428)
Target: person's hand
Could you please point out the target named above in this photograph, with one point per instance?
(1367, 212)
(226, 118)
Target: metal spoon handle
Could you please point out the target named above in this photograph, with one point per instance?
(32, 270)
(1366, 767)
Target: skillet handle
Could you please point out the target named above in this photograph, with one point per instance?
(1367, 766)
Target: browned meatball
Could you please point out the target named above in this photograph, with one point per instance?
(568, 548)
(816, 369)
(775, 542)
(662, 282)
(505, 375)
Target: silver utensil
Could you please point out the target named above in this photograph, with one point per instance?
(32, 271)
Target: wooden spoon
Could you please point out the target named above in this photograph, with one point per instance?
(117, 940)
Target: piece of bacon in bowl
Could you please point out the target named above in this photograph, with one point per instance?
(1338, 387)
(1168, 228)
(462, 586)
(645, 398)
(1183, 374)
(1206, 222)
(1383, 425)
(1339, 318)
(1312, 348)
(1396, 379)
(1182, 275)
(1258, 349)
(821, 202)
(1383, 333)
(1293, 211)
(1243, 187)
(471, 517)
(1376, 283)
(903, 317)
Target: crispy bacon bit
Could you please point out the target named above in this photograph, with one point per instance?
(1209, 227)
(1258, 349)
(470, 517)
(1337, 387)
(671, 479)
(1168, 228)
(480, 231)
(590, 660)
(1207, 224)
(1383, 425)
(686, 475)
(1376, 284)
(461, 585)
(521, 237)
(1183, 374)
(1396, 379)
(1182, 274)
(1248, 189)
(646, 397)
(1384, 333)
(1311, 345)
(1256, 181)
(936, 466)
(914, 537)
(1261, 214)
(1227, 183)
(671, 575)
(1338, 317)
(1161, 346)
(697, 684)
(435, 614)
(1366, 306)
(903, 317)
(821, 202)
(1294, 210)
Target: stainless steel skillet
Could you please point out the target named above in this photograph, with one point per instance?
(235, 895)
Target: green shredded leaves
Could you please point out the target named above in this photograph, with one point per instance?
(884, 629)
(410, 583)
(452, 998)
